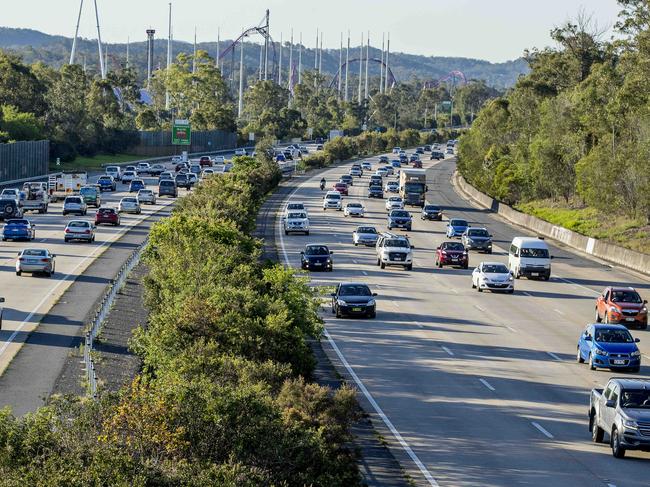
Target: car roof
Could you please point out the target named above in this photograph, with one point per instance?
(608, 325)
(352, 283)
(316, 245)
(622, 288)
(629, 383)
(491, 263)
(533, 242)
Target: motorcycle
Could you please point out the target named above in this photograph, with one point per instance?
(322, 185)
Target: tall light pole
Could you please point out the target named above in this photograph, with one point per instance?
(300, 60)
(320, 57)
(194, 53)
(387, 72)
(266, 46)
(381, 64)
(76, 34)
(240, 107)
(360, 68)
(219, 48)
(367, 62)
(340, 62)
(290, 76)
(169, 53)
(347, 67)
(99, 43)
(150, 33)
(128, 44)
(261, 72)
(280, 63)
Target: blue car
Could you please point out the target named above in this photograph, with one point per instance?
(606, 346)
(18, 229)
(280, 158)
(456, 227)
(396, 163)
(136, 185)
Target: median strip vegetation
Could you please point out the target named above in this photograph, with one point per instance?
(224, 397)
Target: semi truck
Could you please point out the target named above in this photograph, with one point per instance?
(66, 183)
(413, 186)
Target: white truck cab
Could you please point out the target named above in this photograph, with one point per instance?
(530, 257)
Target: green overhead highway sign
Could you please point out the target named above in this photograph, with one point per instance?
(181, 132)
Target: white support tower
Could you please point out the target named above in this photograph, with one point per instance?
(194, 53)
(360, 68)
(240, 108)
(300, 60)
(347, 67)
(169, 53)
(290, 76)
(73, 52)
(387, 72)
(320, 56)
(216, 62)
(381, 64)
(280, 63)
(340, 62)
(365, 96)
(102, 68)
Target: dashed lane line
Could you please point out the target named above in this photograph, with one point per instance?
(487, 384)
(554, 356)
(542, 430)
(449, 352)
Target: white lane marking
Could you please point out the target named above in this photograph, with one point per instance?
(591, 291)
(447, 350)
(381, 413)
(396, 304)
(554, 356)
(542, 430)
(360, 384)
(559, 312)
(487, 384)
(611, 485)
(528, 294)
(646, 356)
(419, 324)
(353, 260)
(511, 329)
(43, 240)
(453, 290)
(364, 273)
(479, 308)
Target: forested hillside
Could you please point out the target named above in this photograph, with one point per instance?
(571, 141)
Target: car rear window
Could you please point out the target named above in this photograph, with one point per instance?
(458, 223)
(73, 200)
(35, 252)
(78, 224)
(366, 230)
(166, 182)
(17, 222)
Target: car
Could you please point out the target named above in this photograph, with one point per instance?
(106, 183)
(107, 215)
(183, 181)
(129, 176)
(303, 149)
(417, 164)
(477, 238)
(354, 208)
(347, 179)
(414, 158)
(13, 193)
(181, 166)
(399, 219)
(167, 187)
(296, 221)
(366, 166)
(622, 410)
(295, 206)
(456, 227)
(147, 196)
(394, 250)
(394, 203)
(316, 257)
(143, 168)
(288, 155)
(435, 147)
(114, 171)
(436, 155)
(530, 257)
(131, 168)
(195, 169)
(622, 305)
(396, 163)
(157, 169)
(354, 299)
(341, 188)
(333, 200)
(240, 152)
(9, 208)
(319, 146)
(431, 212)
(129, 204)
(176, 159)
(91, 195)
(365, 236)
(419, 150)
(383, 158)
(389, 170)
(382, 171)
(427, 148)
(36, 261)
(18, 229)
(403, 159)
(219, 160)
(396, 150)
(451, 253)
(280, 158)
(493, 276)
(79, 230)
(375, 191)
(166, 175)
(391, 187)
(375, 179)
(356, 172)
(205, 161)
(608, 346)
(206, 173)
(193, 178)
(450, 150)
(136, 185)
(402, 152)
(74, 204)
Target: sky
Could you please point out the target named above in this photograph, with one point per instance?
(495, 30)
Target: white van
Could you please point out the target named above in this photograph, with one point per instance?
(529, 257)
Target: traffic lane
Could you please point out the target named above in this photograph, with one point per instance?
(579, 401)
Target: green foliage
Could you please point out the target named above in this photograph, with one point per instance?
(20, 126)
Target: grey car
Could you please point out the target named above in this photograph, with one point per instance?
(147, 196)
(365, 236)
(79, 230)
(74, 204)
(35, 261)
(475, 238)
(167, 187)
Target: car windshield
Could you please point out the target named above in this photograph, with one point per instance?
(129, 200)
(104, 178)
(167, 183)
(534, 253)
(35, 252)
(431, 208)
(635, 398)
(458, 223)
(414, 188)
(129, 173)
(297, 215)
(613, 335)
(453, 246)
(334, 196)
(626, 297)
(73, 200)
(78, 224)
(354, 205)
(495, 269)
(17, 222)
(400, 214)
(354, 290)
(392, 184)
(366, 230)
(295, 206)
(317, 250)
(145, 192)
(478, 233)
(397, 243)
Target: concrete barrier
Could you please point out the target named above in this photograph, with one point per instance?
(609, 252)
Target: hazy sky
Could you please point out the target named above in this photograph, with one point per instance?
(496, 30)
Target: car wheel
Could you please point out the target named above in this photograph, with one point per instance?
(473, 285)
(18, 273)
(338, 313)
(635, 369)
(579, 358)
(382, 265)
(286, 233)
(517, 274)
(598, 318)
(617, 450)
(643, 327)
(409, 267)
(597, 433)
(65, 213)
(307, 232)
(591, 362)
(372, 315)
(356, 244)
(607, 317)
(478, 288)
(512, 291)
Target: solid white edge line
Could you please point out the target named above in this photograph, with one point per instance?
(554, 356)
(487, 384)
(381, 413)
(449, 352)
(542, 430)
(479, 308)
(360, 384)
(558, 312)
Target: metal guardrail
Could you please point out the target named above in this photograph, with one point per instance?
(103, 309)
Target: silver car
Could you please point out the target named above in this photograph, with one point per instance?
(354, 208)
(147, 196)
(79, 230)
(74, 204)
(129, 204)
(365, 236)
(35, 261)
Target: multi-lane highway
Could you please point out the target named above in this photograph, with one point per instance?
(481, 388)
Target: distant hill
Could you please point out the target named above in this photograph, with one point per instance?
(36, 46)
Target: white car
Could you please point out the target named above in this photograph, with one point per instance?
(34, 261)
(207, 173)
(493, 276)
(389, 170)
(79, 230)
(219, 160)
(12, 193)
(194, 179)
(333, 200)
(143, 168)
(295, 206)
(177, 159)
(391, 187)
(356, 172)
(382, 171)
(365, 236)
(296, 221)
(394, 203)
(240, 152)
(129, 176)
(129, 204)
(366, 166)
(396, 150)
(114, 171)
(147, 196)
(354, 208)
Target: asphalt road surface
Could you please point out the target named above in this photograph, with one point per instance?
(480, 388)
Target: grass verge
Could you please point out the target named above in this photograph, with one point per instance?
(94, 163)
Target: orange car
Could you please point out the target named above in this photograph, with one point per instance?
(622, 305)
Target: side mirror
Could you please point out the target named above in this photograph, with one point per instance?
(2, 300)
(331, 252)
(374, 294)
(587, 338)
(636, 340)
(490, 235)
(552, 256)
(438, 248)
(333, 295)
(610, 403)
(302, 252)
(645, 301)
(412, 246)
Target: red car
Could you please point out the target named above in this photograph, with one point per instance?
(452, 253)
(205, 161)
(341, 188)
(417, 164)
(622, 305)
(180, 165)
(107, 215)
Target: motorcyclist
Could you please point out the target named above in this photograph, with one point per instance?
(322, 184)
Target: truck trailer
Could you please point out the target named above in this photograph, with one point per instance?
(413, 186)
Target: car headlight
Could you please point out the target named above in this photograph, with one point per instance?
(342, 303)
(371, 302)
(629, 423)
(644, 310)
(636, 353)
(329, 261)
(600, 351)
(511, 278)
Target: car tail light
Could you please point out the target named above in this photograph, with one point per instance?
(45, 260)
(86, 231)
(67, 230)
(21, 259)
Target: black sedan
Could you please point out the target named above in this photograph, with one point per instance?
(316, 257)
(431, 212)
(376, 191)
(353, 299)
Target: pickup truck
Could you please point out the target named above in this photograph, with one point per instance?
(622, 410)
(36, 197)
